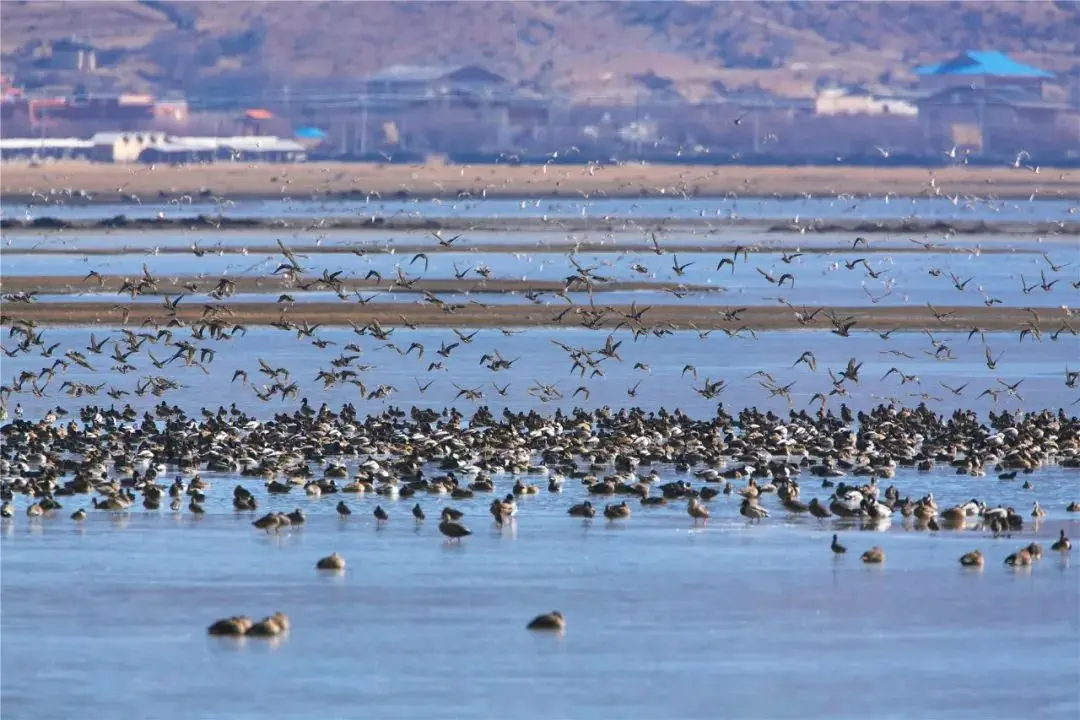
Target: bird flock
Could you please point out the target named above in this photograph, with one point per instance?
(819, 463)
(175, 337)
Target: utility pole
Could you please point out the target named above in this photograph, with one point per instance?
(363, 127)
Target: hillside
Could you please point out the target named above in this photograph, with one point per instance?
(577, 48)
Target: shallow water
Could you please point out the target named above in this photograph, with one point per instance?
(826, 208)
(902, 278)
(665, 382)
(664, 619)
(16, 241)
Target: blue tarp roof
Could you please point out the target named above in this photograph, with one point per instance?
(983, 62)
(310, 133)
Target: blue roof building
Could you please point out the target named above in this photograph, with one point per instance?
(987, 103)
(310, 133)
(983, 63)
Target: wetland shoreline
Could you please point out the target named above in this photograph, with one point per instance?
(105, 183)
(221, 223)
(475, 314)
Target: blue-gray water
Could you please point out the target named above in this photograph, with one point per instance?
(826, 208)
(665, 620)
(884, 278)
(368, 240)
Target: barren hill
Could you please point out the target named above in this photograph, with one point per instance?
(577, 48)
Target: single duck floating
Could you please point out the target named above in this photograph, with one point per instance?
(234, 626)
(972, 559)
(552, 621)
(272, 626)
(874, 556)
(333, 561)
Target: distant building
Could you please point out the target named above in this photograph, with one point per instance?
(38, 149)
(253, 119)
(838, 101)
(73, 54)
(988, 104)
(85, 113)
(122, 147)
(175, 152)
(174, 110)
(260, 149)
(430, 82)
(998, 121)
(982, 69)
(156, 147)
(406, 109)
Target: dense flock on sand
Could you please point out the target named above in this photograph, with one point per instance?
(296, 370)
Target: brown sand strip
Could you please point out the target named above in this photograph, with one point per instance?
(510, 316)
(111, 183)
(52, 284)
(461, 225)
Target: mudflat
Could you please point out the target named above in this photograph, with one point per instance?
(118, 183)
(476, 314)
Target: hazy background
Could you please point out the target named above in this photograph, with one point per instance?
(814, 80)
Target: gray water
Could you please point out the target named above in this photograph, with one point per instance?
(480, 240)
(902, 278)
(666, 619)
(824, 208)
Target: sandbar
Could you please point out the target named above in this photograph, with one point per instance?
(293, 225)
(118, 183)
(475, 314)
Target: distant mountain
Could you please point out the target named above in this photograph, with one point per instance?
(580, 49)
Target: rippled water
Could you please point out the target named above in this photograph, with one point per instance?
(749, 207)
(665, 619)
(902, 278)
(695, 235)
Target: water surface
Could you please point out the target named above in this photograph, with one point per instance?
(824, 208)
(664, 619)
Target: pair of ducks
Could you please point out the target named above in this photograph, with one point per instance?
(1022, 557)
(619, 511)
(242, 625)
(275, 520)
(450, 526)
(873, 556)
